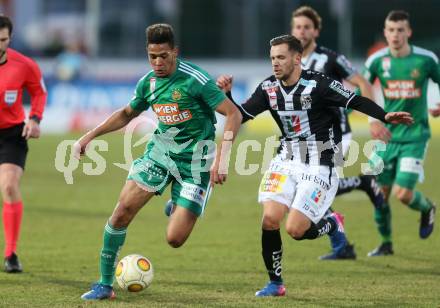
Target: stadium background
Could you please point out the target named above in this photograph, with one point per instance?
(92, 53)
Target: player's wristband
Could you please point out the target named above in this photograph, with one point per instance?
(35, 118)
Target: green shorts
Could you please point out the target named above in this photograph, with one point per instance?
(188, 189)
(402, 163)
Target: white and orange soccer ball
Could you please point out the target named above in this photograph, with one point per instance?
(134, 273)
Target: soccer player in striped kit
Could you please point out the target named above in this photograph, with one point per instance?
(17, 72)
(301, 181)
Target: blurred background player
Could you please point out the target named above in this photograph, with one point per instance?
(403, 71)
(17, 72)
(185, 99)
(301, 181)
(306, 25)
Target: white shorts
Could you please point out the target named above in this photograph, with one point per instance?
(308, 189)
(346, 140)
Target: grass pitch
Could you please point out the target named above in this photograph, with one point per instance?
(221, 264)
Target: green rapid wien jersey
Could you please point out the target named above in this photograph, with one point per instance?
(184, 103)
(404, 83)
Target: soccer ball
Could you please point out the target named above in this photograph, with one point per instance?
(134, 273)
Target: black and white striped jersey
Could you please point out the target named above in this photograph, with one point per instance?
(337, 67)
(304, 114)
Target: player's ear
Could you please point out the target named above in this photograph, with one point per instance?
(297, 57)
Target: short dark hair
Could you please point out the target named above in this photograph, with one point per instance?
(5, 22)
(398, 15)
(291, 41)
(310, 13)
(160, 34)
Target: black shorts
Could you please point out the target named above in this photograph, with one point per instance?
(13, 147)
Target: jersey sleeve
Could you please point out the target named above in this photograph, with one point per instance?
(138, 101)
(369, 71)
(343, 67)
(434, 74)
(334, 93)
(255, 105)
(212, 95)
(37, 90)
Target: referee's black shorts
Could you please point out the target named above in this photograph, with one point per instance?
(13, 147)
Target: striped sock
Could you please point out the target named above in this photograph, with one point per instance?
(382, 216)
(112, 243)
(419, 202)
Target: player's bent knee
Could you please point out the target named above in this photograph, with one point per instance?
(175, 242)
(10, 190)
(296, 232)
(404, 195)
(270, 223)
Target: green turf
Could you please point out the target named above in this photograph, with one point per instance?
(220, 265)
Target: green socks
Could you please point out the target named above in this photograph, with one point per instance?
(382, 216)
(419, 202)
(113, 240)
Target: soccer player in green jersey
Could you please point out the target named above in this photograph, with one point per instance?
(185, 99)
(403, 71)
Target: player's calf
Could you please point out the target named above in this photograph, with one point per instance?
(333, 223)
(369, 185)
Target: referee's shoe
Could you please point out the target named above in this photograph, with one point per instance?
(12, 264)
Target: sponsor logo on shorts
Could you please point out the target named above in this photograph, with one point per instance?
(170, 113)
(314, 201)
(11, 96)
(316, 195)
(411, 165)
(316, 180)
(309, 207)
(273, 182)
(193, 193)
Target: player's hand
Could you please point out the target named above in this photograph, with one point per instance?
(399, 118)
(31, 130)
(224, 82)
(435, 112)
(379, 131)
(80, 146)
(216, 175)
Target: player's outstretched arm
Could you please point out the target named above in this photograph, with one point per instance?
(233, 116)
(117, 120)
(370, 108)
